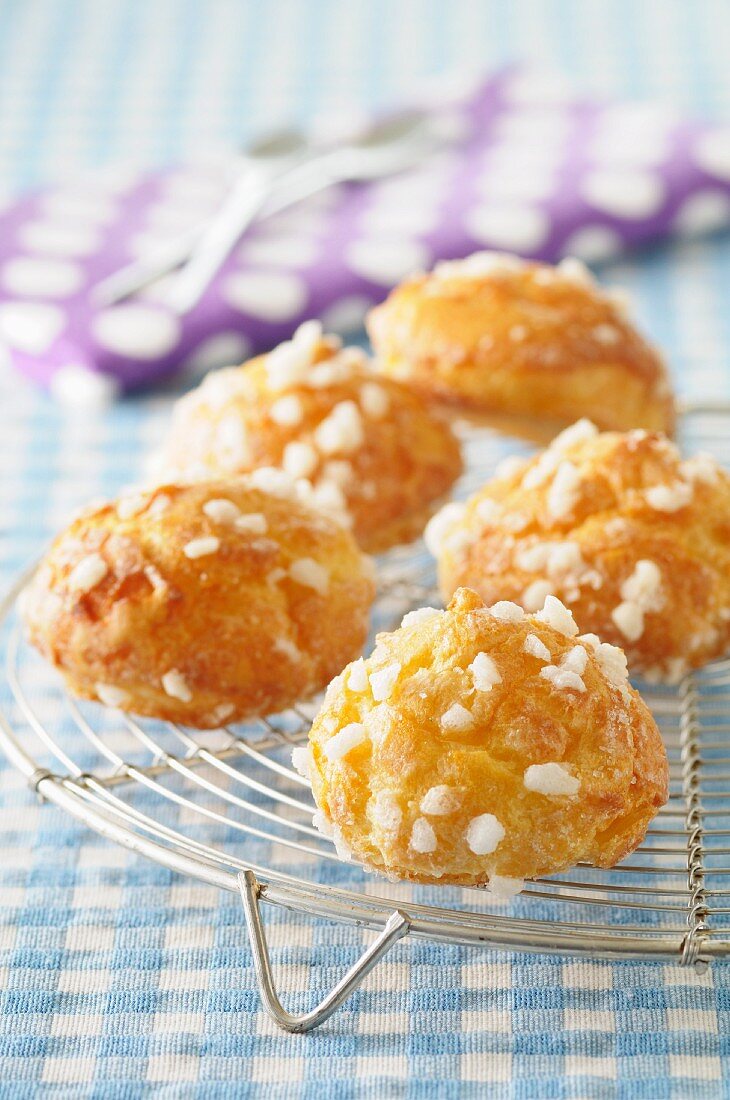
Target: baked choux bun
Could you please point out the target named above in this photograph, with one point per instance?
(203, 603)
(369, 449)
(482, 745)
(497, 335)
(633, 539)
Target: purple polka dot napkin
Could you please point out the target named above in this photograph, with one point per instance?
(529, 168)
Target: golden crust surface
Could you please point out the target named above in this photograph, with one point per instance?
(164, 608)
(386, 461)
(633, 539)
(405, 798)
(524, 339)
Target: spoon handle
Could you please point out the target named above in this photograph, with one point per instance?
(203, 251)
(275, 191)
(218, 238)
(265, 191)
(133, 277)
(273, 196)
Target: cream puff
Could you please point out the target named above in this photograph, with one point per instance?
(370, 450)
(483, 745)
(635, 540)
(495, 334)
(202, 604)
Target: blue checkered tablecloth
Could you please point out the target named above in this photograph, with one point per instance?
(118, 978)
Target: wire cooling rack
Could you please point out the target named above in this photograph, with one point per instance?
(226, 807)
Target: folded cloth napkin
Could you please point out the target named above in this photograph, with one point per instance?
(530, 169)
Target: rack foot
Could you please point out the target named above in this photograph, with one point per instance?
(396, 927)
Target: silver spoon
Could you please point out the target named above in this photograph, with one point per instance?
(384, 149)
(277, 150)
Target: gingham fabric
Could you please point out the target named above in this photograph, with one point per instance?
(119, 979)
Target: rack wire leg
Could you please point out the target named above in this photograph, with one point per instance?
(397, 926)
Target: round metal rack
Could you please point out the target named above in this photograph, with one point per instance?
(227, 808)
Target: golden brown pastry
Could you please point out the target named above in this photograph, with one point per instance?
(201, 604)
(633, 539)
(495, 334)
(365, 447)
(482, 745)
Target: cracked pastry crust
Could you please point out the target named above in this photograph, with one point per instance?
(366, 449)
(482, 745)
(201, 604)
(497, 335)
(633, 539)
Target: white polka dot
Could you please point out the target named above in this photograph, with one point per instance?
(645, 118)
(219, 163)
(55, 239)
(452, 126)
(225, 349)
(76, 387)
(75, 207)
(703, 212)
(195, 187)
(385, 262)
(539, 87)
(535, 127)
(294, 222)
(422, 187)
(625, 194)
(633, 133)
(141, 332)
(30, 326)
(177, 217)
(615, 148)
(42, 278)
(311, 216)
(273, 297)
(712, 153)
(385, 211)
(593, 243)
(508, 184)
(280, 251)
(144, 245)
(509, 225)
(347, 314)
(112, 179)
(159, 291)
(407, 217)
(442, 165)
(323, 200)
(523, 157)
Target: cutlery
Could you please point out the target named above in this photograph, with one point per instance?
(280, 176)
(278, 149)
